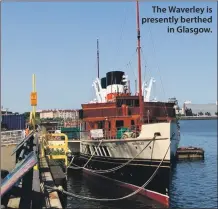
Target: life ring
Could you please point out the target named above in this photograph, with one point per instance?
(124, 136)
(133, 135)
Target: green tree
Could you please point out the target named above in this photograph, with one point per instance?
(200, 113)
(216, 113)
(37, 114)
(26, 115)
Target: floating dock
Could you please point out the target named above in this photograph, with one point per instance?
(189, 153)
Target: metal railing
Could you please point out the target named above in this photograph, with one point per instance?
(12, 137)
(132, 132)
(45, 145)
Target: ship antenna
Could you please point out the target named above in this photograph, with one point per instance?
(141, 103)
(98, 57)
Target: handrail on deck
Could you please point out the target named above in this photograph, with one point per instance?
(44, 141)
(132, 132)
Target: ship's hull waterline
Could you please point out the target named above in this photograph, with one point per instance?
(133, 175)
(144, 154)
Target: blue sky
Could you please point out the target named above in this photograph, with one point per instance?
(57, 42)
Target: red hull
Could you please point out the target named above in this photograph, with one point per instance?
(160, 198)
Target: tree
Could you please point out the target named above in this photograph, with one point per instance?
(26, 115)
(216, 113)
(200, 113)
(188, 112)
(207, 113)
(37, 114)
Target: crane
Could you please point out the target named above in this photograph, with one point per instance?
(99, 91)
(147, 90)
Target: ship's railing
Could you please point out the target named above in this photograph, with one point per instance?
(121, 132)
(12, 137)
(50, 146)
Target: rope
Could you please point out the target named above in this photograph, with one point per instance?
(71, 162)
(120, 166)
(114, 199)
(158, 68)
(121, 35)
(89, 158)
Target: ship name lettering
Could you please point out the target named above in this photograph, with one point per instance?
(138, 143)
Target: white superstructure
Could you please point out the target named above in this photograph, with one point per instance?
(101, 93)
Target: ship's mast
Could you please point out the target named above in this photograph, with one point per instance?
(98, 57)
(141, 103)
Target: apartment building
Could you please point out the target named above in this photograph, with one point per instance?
(48, 114)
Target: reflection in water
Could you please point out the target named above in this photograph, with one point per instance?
(85, 185)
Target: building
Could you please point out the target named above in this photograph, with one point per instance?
(180, 111)
(57, 113)
(173, 100)
(68, 114)
(198, 109)
(48, 114)
(5, 111)
(176, 106)
(187, 102)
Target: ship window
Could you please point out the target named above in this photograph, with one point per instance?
(157, 134)
(136, 103)
(109, 125)
(129, 102)
(92, 125)
(132, 122)
(100, 124)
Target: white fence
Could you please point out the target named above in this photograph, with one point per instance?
(12, 137)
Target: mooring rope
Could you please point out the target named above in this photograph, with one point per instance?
(117, 167)
(71, 162)
(88, 159)
(114, 199)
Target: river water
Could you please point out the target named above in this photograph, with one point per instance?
(193, 185)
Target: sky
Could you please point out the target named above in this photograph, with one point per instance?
(57, 42)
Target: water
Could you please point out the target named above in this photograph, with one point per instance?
(194, 184)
